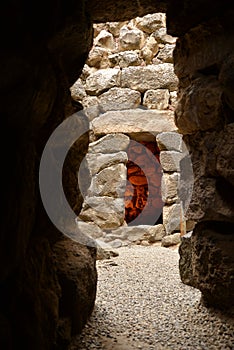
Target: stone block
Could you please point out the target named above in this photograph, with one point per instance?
(111, 143)
(98, 58)
(159, 76)
(134, 121)
(172, 217)
(151, 22)
(130, 39)
(170, 160)
(149, 50)
(140, 233)
(166, 53)
(106, 212)
(173, 99)
(125, 59)
(156, 99)
(170, 187)
(105, 40)
(170, 141)
(161, 36)
(91, 107)
(157, 233)
(114, 27)
(170, 240)
(89, 229)
(110, 182)
(119, 99)
(101, 80)
(99, 161)
(78, 90)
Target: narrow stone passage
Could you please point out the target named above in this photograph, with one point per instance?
(142, 304)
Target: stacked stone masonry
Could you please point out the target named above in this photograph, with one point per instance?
(128, 89)
(47, 281)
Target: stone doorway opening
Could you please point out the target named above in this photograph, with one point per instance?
(128, 89)
(143, 198)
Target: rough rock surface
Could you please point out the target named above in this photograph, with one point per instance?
(160, 76)
(207, 263)
(106, 212)
(110, 144)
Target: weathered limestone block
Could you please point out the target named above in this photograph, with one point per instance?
(170, 187)
(98, 27)
(134, 121)
(105, 39)
(207, 262)
(159, 76)
(106, 212)
(114, 27)
(130, 39)
(92, 107)
(120, 235)
(149, 50)
(170, 141)
(156, 99)
(99, 161)
(162, 37)
(86, 72)
(101, 80)
(170, 160)
(173, 99)
(140, 232)
(119, 99)
(125, 59)
(166, 53)
(199, 106)
(98, 58)
(78, 91)
(170, 240)
(151, 22)
(89, 229)
(171, 217)
(157, 233)
(110, 144)
(110, 182)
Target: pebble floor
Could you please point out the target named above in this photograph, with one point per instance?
(142, 304)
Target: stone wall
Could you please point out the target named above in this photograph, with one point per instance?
(44, 48)
(129, 91)
(130, 64)
(205, 115)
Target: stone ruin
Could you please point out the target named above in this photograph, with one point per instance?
(44, 51)
(129, 92)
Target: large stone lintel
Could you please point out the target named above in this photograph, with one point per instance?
(134, 121)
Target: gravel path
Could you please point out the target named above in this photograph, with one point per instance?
(142, 304)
